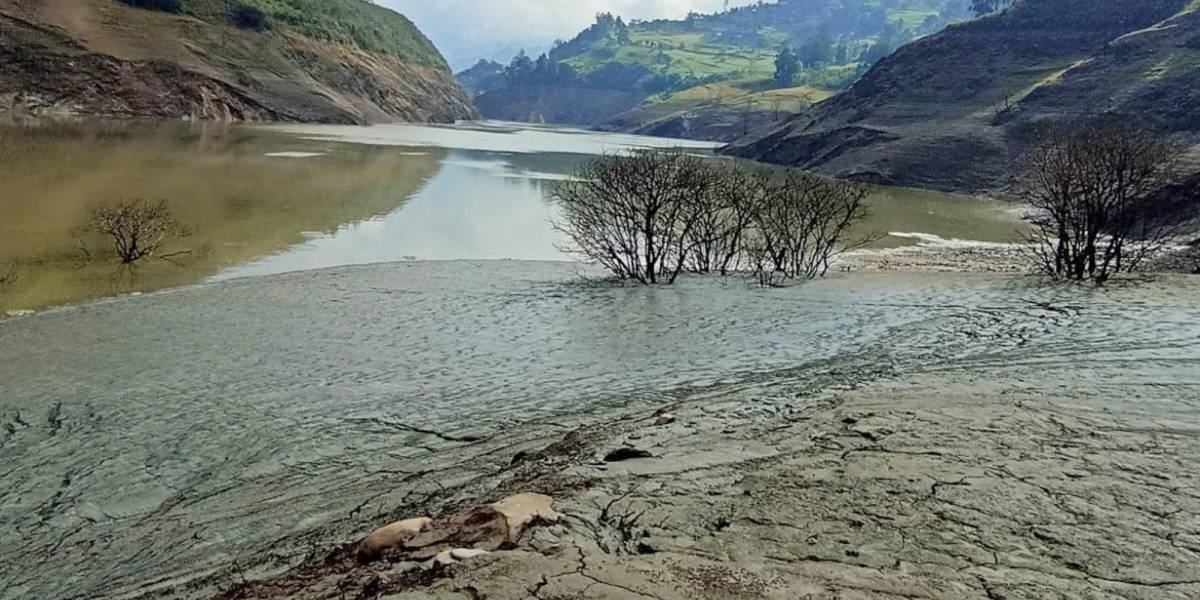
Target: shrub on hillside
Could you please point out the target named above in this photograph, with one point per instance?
(171, 6)
(249, 17)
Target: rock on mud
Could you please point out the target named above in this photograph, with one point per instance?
(391, 536)
(622, 454)
(462, 535)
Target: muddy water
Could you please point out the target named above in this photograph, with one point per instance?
(265, 200)
(250, 193)
(151, 442)
(147, 443)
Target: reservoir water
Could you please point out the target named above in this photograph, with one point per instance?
(272, 199)
(348, 349)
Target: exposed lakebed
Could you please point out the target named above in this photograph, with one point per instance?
(276, 408)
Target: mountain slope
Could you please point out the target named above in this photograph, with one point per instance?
(637, 75)
(953, 110)
(344, 61)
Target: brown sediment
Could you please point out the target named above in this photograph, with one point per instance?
(983, 477)
(869, 435)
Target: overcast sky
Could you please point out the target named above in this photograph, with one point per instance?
(466, 30)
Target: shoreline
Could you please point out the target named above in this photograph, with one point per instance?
(982, 477)
(928, 254)
(342, 426)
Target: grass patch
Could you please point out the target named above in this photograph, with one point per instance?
(352, 22)
(752, 95)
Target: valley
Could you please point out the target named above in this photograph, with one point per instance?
(710, 300)
(712, 70)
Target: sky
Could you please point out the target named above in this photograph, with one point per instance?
(467, 30)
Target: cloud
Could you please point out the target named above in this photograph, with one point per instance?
(486, 27)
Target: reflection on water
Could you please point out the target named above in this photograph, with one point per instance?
(218, 179)
(271, 199)
(478, 206)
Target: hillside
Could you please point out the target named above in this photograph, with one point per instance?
(345, 61)
(701, 76)
(952, 111)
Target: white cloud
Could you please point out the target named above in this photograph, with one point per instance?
(466, 30)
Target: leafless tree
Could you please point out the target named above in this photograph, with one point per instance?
(1094, 193)
(136, 229)
(722, 217)
(633, 213)
(801, 225)
(651, 215)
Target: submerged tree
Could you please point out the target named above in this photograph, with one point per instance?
(650, 216)
(136, 229)
(1095, 194)
(800, 226)
(722, 217)
(631, 213)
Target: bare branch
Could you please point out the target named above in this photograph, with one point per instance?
(136, 229)
(1095, 194)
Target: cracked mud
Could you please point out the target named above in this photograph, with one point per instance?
(867, 437)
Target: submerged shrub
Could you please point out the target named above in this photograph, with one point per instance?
(135, 230)
(8, 274)
(650, 216)
(630, 212)
(1095, 194)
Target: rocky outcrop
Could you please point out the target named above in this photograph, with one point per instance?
(100, 57)
(953, 110)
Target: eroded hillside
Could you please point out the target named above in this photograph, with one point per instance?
(351, 62)
(953, 110)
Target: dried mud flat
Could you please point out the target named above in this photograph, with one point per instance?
(1032, 467)
(988, 438)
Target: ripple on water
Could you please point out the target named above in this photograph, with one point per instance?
(159, 437)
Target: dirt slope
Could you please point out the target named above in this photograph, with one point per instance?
(951, 111)
(102, 57)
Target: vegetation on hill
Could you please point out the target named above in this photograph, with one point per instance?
(825, 36)
(356, 22)
(821, 44)
(352, 22)
(295, 60)
(951, 110)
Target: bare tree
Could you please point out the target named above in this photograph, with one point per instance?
(633, 213)
(1094, 192)
(722, 216)
(651, 215)
(801, 224)
(136, 229)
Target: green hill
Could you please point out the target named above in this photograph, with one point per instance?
(363, 24)
(954, 110)
(643, 64)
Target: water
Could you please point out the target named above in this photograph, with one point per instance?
(148, 442)
(275, 199)
(152, 441)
